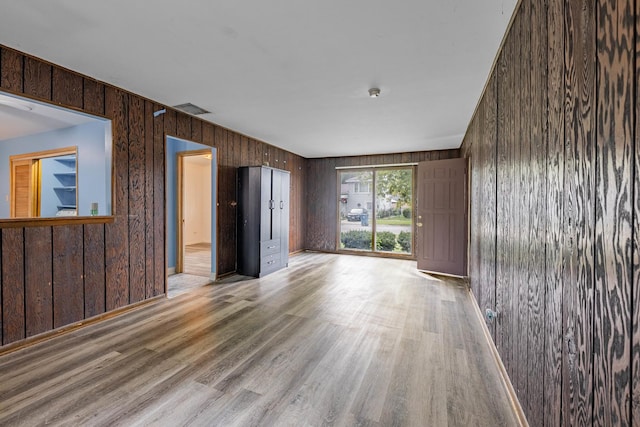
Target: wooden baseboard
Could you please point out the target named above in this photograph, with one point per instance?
(506, 381)
(28, 342)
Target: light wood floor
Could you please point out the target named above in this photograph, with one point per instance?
(197, 259)
(332, 340)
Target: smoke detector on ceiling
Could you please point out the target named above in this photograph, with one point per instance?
(191, 109)
(374, 92)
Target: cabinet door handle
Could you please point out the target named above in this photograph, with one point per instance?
(281, 204)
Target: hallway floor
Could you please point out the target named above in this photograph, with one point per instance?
(197, 259)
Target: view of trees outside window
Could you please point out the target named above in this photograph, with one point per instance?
(378, 219)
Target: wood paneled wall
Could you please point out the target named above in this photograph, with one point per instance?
(51, 276)
(321, 197)
(555, 206)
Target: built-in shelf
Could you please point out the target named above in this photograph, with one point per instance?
(68, 161)
(67, 179)
(67, 191)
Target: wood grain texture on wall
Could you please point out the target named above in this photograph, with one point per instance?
(503, 211)
(579, 80)
(13, 285)
(635, 297)
(566, 210)
(537, 225)
(613, 216)
(68, 270)
(54, 276)
(321, 202)
(554, 212)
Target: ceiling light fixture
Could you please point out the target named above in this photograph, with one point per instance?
(374, 92)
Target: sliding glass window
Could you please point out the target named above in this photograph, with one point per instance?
(375, 210)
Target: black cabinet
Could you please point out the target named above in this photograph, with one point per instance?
(263, 220)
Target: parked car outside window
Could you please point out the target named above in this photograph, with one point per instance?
(355, 214)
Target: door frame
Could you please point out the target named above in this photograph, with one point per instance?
(181, 155)
(32, 159)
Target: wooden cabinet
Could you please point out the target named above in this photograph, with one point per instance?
(263, 220)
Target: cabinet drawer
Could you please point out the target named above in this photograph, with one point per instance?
(269, 262)
(269, 247)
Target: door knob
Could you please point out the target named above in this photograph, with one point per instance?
(419, 224)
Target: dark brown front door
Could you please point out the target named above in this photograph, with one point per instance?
(442, 223)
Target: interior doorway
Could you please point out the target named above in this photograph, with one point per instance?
(194, 213)
(191, 176)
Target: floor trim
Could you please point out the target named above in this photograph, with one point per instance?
(506, 381)
(28, 342)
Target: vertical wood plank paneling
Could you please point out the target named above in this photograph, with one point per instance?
(13, 298)
(159, 264)
(170, 123)
(183, 125)
(37, 280)
(502, 206)
(117, 233)
(37, 78)
(614, 192)
(11, 70)
(487, 266)
(149, 172)
(219, 139)
(321, 205)
(226, 198)
(552, 374)
(635, 314)
(93, 97)
(571, 408)
(207, 134)
(579, 215)
(523, 198)
(537, 207)
(244, 150)
(474, 155)
(67, 88)
(504, 249)
(196, 130)
(68, 289)
(229, 234)
(136, 193)
(513, 200)
(94, 262)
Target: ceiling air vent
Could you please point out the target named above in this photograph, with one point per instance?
(191, 109)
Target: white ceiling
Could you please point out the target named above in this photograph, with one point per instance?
(294, 74)
(21, 117)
